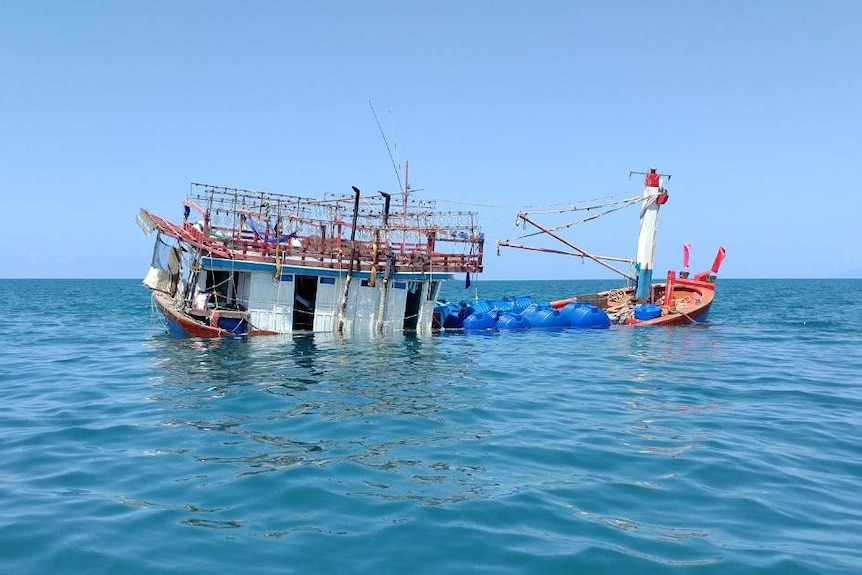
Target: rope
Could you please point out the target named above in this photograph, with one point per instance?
(575, 223)
(546, 209)
(572, 208)
(618, 296)
(155, 315)
(278, 264)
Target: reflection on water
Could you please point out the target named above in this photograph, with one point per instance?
(655, 386)
(390, 371)
(434, 421)
(268, 404)
(263, 405)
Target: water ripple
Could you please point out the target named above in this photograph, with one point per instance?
(725, 448)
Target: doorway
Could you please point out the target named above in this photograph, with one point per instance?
(304, 296)
(411, 308)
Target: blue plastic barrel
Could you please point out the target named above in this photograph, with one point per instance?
(647, 311)
(521, 303)
(512, 321)
(570, 307)
(531, 310)
(505, 304)
(549, 318)
(588, 316)
(480, 306)
(479, 321)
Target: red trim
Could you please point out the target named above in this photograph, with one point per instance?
(701, 293)
(669, 285)
(189, 234)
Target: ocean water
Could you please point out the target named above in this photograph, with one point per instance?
(731, 447)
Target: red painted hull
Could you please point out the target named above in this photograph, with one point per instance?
(690, 302)
(180, 323)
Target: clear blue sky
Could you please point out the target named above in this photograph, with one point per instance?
(754, 107)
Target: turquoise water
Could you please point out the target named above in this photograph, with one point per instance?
(732, 447)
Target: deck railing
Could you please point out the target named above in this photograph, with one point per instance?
(289, 230)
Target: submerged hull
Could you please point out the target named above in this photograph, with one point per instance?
(262, 263)
(307, 302)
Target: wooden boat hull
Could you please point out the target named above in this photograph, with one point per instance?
(182, 324)
(689, 302)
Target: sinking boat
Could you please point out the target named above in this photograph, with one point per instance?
(244, 263)
(680, 299)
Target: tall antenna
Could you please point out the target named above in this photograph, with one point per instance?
(388, 149)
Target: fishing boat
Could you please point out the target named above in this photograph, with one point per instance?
(680, 299)
(245, 263)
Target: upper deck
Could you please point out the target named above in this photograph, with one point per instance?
(338, 232)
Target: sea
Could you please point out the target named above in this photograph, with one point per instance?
(730, 447)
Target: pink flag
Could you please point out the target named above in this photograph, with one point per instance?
(719, 257)
(686, 251)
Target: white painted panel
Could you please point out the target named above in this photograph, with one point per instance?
(326, 305)
(396, 302)
(243, 289)
(270, 303)
(264, 293)
(362, 305)
(430, 291)
(277, 319)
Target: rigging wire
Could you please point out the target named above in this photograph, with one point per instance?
(388, 149)
(550, 208)
(616, 207)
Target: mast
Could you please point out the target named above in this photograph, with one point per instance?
(654, 196)
(405, 194)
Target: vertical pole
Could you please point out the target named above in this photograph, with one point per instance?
(344, 293)
(405, 193)
(353, 231)
(384, 293)
(646, 241)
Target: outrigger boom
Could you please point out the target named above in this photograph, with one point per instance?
(577, 251)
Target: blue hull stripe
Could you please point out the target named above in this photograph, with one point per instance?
(220, 264)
